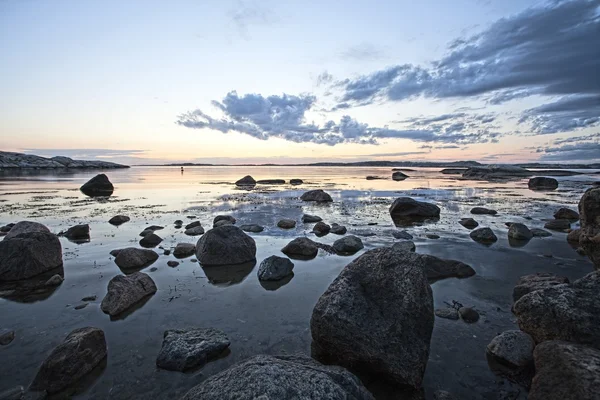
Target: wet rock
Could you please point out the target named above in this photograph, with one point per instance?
(119, 220)
(132, 258)
(468, 314)
(228, 218)
(296, 181)
(150, 240)
(275, 268)
(178, 222)
(536, 232)
(453, 171)
(519, 232)
(271, 181)
(580, 251)
(98, 186)
(154, 228)
(338, 229)
(372, 177)
(404, 246)
(252, 228)
(439, 268)
(301, 248)
(82, 350)
(558, 225)
(246, 181)
(225, 245)
(468, 223)
(193, 225)
(6, 338)
(407, 209)
(565, 371)
(55, 280)
(404, 235)
(185, 349)
(321, 229)
(146, 232)
(29, 249)
(167, 252)
(316, 195)
(349, 329)
(483, 235)
(196, 231)
(512, 349)
(280, 377)
(496, 172)
(125, 291)
(566, 213)
(81, 306)
(78, 232)
(307, 218)
(173, 263)
(399, 176)
(542, 183)
(184, 250)
(538, 281)
(563, 312)
(483, 211)
(432, 236)
(573, 236)
(89, 298)
(443, 395)
(447, 313)
(6, 228)
(589, 212)
(348, 245)
(286, 223)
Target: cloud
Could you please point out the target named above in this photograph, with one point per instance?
(588, 151)
(284, 117)
(574, 139)
(552, 50)
(84, 153)
(246, 14)
(324, 78)
(398, 154)
(362, 52)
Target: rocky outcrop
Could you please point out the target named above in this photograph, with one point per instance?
(538, 281)
(519, 232)
(184, 250)
(349, 328)
(589, 212)
(125, 291)
(98, 186)
(348, 245)
(246, 181)
(318, 196)
(281, 377)
(483, 235)
(542, 183)
(118, 220)
(81, 351)
(9, 160)
(496, 172)
(566, 213)
(405, 209)
(483, 211)
(286, 223)
(183, 349)
(301, 248)
(132, 259)
(275, 268)
(225, 245)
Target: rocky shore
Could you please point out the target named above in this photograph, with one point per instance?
(11, 161)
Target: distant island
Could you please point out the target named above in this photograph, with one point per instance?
(9, 160)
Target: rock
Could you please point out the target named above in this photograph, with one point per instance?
(6, 338)
(146, 232)
(178, 222)
(132, 258)
(432, 236)
(399, 176)
(338, 229)
(443, 395)
(349, 328)
(573, 236)
(589, 212)
(185, 349)
(453, 171)
(55, 280)
(286, 223)
(483, 211)
(81, 351)
(193, 225)
(271, 181)
(125, 291)
(246, 181)
(468, 314)
(348, 245)
(154, 228)
(307, 218)
(538, 281)
(405, 209)
(225, 245)
(519, 232)
(565, 371)
(536, 232)
(447, 313)
(118, 220)
(301, 248)
(483, 235)
(580, 251)
(196, 231)
(402, 235)
(229, 218)
(29, 249)
(296, 181)
(280, 377)
(316, 195)
(558, 225)
(439, 268)
(566, 213)
(81, 306)
(98, 186)
(222, 222)
(404, 246)
(89, 298)
(563, 312)
(6, 228)
(184, 250)
(321, 229)
(252, 228)
(150, 240)
(542, 183)
(468, 223)
(496, 172)
(78, 232)
(275, 268)
(10, 160)
(512, 349)
(167, 252)
(173, 263)
(372, 177)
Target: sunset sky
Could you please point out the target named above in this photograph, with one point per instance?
(301, 81)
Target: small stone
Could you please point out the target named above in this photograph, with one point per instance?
(275, 268)
(153, 269)
(80, 306)
(55, 280)
(185, 349)
(184, 250)
(125, 291)
(307, 218)
(172, 263)
(432, 236)
(193, 225)
(301, 248)
(252, 228)
(296, 181)
(286, 223)
(150, 240)
(468, 223)
(89, 298)
(178, 222)
(118, 220)
(483, 235)
(542, 183)
(447, 313)
(566, 213)
(468, 314)
(321, 229)
(229, 218)
(167, 252)
(246, 181)
(338, 229)
(519, 232)
(196, 231)
(513, 349)
(318, 196)
(6, 338)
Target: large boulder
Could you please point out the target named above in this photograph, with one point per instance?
(563, 312)
(348, 245)
(246, 181)
(349, 328)
(29, 249)
(301, 248)
(98, 186)
(538, 281)
(316, 195)
(589, 212)
(405, 209)
(565, 371)
(183, 349)
(81, 351)
(542, 183)
(275, 268)
(132, 258)
(225, 245)
(125, 291)
(566, 213)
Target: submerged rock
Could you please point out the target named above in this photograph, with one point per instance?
(252, 228)
(468, 314)
(98, 186)
(286, 223)
(349, 329)
(404, 246)
(125, 291)
(225, 245)
(512, 349)
(280, 377)
(338, 229)
(132, 258)
(296, 181)
(542, 183)
(172, 263)
(246, 181)
(468, 223)
(184, 250)
(81, 351)
(439, 268)
(536, 232)
(483, 235)
(275, 268)
(447, 313)
(150, 240)
(193, 225)
(301, 248)
(405, 209)
(540, 280)
(54, 280)
(348, 245)
(589, 211)
(321, 229)
(307, 218)
(558, 225)
(404, 235)
(183, 349)
(78, 232)
(119, 220)
(566, 213)
(399, 176)
(316, 195)
(6, 338)
(483, 211)
(519, 232)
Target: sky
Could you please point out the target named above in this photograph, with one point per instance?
(233, 82)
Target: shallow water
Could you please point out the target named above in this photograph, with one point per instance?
(269, 319)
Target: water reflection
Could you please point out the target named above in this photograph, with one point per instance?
(226, 275)
(274, 285)
(31, 290)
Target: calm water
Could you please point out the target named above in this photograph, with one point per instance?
(268, 319)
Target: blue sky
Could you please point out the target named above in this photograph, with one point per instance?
(243, 81)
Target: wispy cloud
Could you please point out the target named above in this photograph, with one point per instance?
(575, 148)
(248, 13)
(362, 52)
